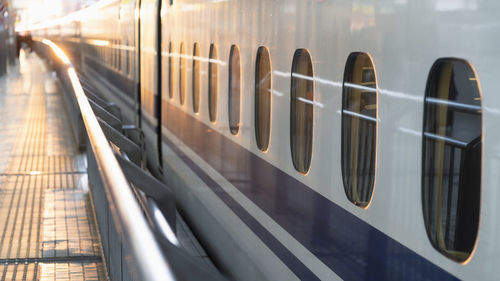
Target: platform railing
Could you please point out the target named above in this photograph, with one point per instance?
(126, 229)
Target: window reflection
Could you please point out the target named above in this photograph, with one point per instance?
(170, 71)
(213, 82)
(234, 89)
(263, 98)
(302, 109)
(451, 171)
(182, 74)
(196, 78)
(359, 128)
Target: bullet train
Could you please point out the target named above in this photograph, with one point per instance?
(313, 139)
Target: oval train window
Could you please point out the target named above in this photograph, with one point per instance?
(451, 158)
(359, 128)
(263, 93)
(196, 78)
(302, 110)
(182, 74)
(234, 89)
(170, 71)
(213, 82)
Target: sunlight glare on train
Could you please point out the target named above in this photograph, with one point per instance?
(57, 18)
(100, 43)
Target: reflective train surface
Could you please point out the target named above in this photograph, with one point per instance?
(313, 139)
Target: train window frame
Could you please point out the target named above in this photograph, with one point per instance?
(196, 78)
(127, 62)
(444, 101)
(302, 105)
(182, 74)
(213, 82)
(234, 90)
(263, 140)
(120, 54)
(358, 95)
(170, 70)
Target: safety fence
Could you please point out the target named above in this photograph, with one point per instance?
(135, 212)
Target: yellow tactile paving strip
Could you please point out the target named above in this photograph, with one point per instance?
(47, 230)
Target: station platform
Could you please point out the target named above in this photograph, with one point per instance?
(47, 224)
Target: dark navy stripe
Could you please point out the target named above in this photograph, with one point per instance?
(295, 265)
(353, 249)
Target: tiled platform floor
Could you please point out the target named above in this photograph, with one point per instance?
(47, 231)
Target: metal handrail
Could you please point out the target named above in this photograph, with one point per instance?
(151, 264)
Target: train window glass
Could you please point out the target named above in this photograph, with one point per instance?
(301, 110)
(196, 78)
(234, 89)
(451, 158)
(182, 74)
(127, 62)
(263, 93)
(359, 128)
(115, 55)
(170, 70)
(118, 53)
(213, 82)
(112, 55)
(118, 56)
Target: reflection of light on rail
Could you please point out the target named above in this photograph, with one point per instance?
(58, 51)
(165, 227)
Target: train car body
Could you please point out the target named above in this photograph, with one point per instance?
(261, 212)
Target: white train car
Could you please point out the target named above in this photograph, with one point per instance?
(310, 140)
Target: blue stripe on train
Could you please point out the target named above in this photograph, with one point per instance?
(295, 265)
(353, 249)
